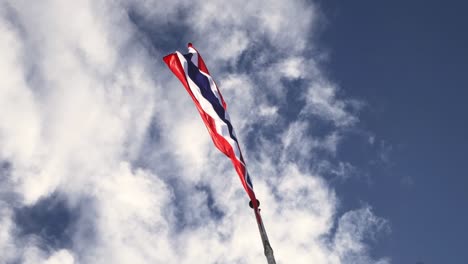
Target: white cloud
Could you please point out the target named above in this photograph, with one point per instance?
(292, 68)
(354, 228)
(7, 246)
(81, 89)
(61, 257)
(321, 100)
(19, 121)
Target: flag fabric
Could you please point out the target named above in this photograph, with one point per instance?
(191, 70)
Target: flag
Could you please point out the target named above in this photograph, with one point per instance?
(194, 75)
(191, 70)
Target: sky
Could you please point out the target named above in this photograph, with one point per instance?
(349, 114)
(408, 62)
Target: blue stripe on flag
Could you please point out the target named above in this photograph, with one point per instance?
(248, 179)
(204, 84)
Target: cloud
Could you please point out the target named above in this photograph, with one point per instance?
(322, 101)
(92, 117)
(61, 257)
(354, 228)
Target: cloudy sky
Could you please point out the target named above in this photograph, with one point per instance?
(351, 117)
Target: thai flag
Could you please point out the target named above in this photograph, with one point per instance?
(194, 75)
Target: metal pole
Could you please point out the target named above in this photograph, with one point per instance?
(266, 243)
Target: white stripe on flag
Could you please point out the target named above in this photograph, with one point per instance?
(221, 127)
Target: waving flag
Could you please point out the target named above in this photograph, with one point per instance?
(194, 75)
(192, 72)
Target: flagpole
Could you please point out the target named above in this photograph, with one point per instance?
(266, 243)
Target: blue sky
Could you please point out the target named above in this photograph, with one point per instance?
(408, 60)
(350, 116)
